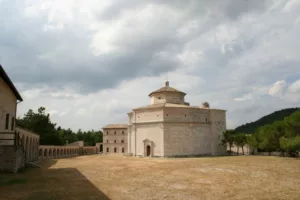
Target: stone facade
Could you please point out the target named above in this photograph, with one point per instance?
(169, 127)
(12, 153)
(115, 138)
(30, 143)
(8, 109)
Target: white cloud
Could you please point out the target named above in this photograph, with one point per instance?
(294, 87)
(228, 56)
(277, 88)
(243, 98)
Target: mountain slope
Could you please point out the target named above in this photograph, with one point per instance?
(268, 119)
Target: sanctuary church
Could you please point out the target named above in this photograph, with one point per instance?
(169, 127)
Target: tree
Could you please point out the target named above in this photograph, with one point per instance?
(279, 115)
(252, 141)
(293, 124)
(228, 139)
(40, 123)
(290, 145)
(240, 140)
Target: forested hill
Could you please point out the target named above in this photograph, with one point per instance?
(268, 119)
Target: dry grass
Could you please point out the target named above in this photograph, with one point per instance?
(117, 177)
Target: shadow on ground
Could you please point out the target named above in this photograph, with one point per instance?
(48, 184)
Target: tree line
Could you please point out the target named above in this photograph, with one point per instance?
(278, 115)
(39, 122)
(280, 136)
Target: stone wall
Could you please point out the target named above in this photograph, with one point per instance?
(176, 98)
(218, 126)
(30, 143)
(183, 139)
(152, 115)
(12, 158)
(115, 140)
(186, 115)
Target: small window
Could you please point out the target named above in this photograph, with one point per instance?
(107, 141)
(122, 132)
(107, 150)
(123, 150)
(115, 132)
(167, 114)
(12, 123)
(185, 115)
(159, 97)
(115, 150)
(115, 141)
(206, 119)
(122, 141)
(7, 121)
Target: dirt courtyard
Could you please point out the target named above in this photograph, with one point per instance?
(118, 177)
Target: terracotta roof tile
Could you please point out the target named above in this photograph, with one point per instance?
(166, 88)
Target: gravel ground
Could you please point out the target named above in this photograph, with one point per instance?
(118, 177)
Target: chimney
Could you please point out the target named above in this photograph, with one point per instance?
(167, 83)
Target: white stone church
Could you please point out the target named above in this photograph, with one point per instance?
(171, 127)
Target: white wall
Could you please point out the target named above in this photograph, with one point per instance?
(152, 132)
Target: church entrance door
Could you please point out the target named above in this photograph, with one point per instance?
(148, 150)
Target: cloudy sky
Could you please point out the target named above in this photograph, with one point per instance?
(90, 62)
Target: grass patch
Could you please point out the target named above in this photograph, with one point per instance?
(14, 181)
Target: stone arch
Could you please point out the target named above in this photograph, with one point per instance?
(54, 153)
(45, 153)
(27, 147)
(30, 149)
(61, 152)
(23, 141)
(37, 148)
(50, 153)
(41, 153)
(57, 153)
(148, 150)
(148, 147)
(65, 152)
(33, 150)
